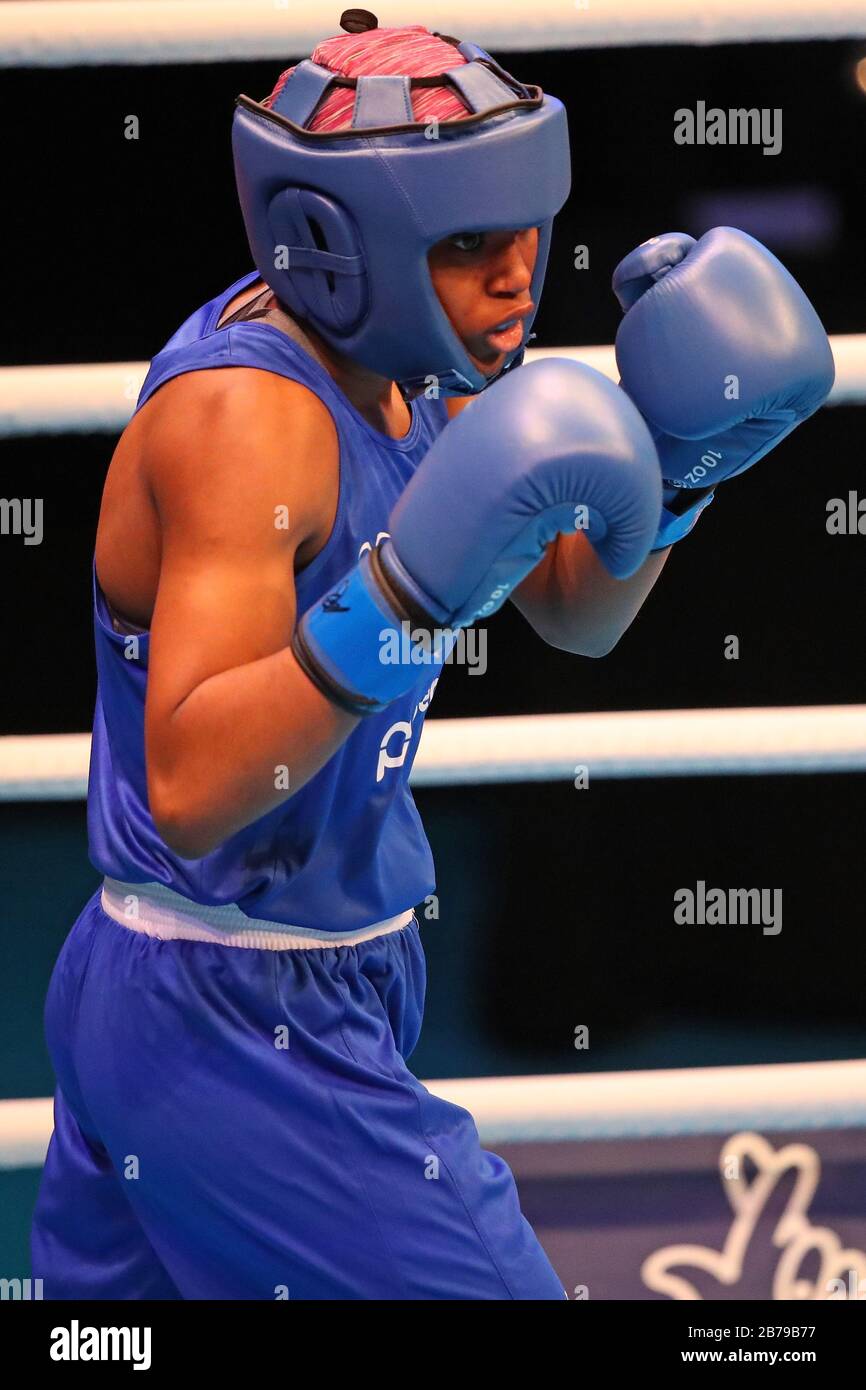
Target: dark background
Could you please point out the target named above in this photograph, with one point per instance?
(555, 905)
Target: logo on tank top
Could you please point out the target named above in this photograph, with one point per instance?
(396, 740)
(371, 545)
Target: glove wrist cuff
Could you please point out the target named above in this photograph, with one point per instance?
(677, 519)
(359, 645)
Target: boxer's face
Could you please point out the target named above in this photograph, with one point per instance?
(483, 280)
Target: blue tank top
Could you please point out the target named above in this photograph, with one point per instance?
(348, 849)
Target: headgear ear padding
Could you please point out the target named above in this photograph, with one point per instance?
(332, 295)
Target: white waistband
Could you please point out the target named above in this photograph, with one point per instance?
(158, 911)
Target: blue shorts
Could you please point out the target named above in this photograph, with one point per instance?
(238, 1123)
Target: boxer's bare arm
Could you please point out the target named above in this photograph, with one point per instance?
(575, 604)
(243, 474)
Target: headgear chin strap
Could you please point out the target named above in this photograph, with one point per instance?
(340, 223)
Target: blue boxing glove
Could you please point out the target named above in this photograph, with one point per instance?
(723, 355)
(550, 448)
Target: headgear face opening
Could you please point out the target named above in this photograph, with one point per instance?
(340, 224)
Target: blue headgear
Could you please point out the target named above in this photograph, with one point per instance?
(340, 223)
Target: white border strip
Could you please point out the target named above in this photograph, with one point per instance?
(96, 397)
(53, 33)
(544, 748)
(610, 1105)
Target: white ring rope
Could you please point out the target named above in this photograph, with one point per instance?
(607, 1105)
(643, 1104)
(544, 748)
(55, 33)
(98, 397)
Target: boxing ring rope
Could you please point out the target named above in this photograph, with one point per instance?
(55, 33)
(544, 748)
(99, 397)
(607, 1105)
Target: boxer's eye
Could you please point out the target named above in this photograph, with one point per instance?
(475, 240)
